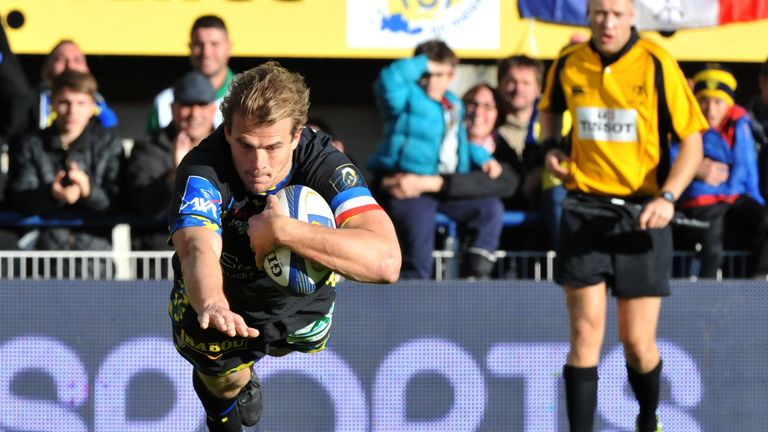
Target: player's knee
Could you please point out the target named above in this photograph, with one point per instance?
(228, 386)
(638, 352)
(587, 333)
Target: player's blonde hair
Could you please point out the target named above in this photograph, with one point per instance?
(267, 94)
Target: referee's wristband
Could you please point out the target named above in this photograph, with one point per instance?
(668, 196)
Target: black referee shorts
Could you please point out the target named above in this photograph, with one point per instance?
(632, 262)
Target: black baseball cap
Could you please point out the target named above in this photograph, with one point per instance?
(193, 88)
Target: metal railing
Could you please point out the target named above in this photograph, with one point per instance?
(540, 265)
(84, 265)
(127, 265)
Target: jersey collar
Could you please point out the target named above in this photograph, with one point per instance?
(609, 60)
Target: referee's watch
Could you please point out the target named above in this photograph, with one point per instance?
(668, 196)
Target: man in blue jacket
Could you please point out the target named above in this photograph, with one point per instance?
(424, 134)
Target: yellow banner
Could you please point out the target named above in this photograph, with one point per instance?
(331, 29)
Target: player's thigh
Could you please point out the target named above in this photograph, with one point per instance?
(209, 350)
(309, 339)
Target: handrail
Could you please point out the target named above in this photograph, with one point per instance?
(71, 218)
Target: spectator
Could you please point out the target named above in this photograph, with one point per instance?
(520, 82)
(424, 134)
(72, 164)
(758, 111)
(66, 55)
(152, 165)
(725, 191)
(209, 53)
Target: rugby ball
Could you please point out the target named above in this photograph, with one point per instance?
(291, 271)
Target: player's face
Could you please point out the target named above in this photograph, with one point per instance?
(481, 114)
(714, 109)
(262, 154)
(210, 50)
(519, 89)
(73, 110)
(66, 57)
(194, 119)
(611, 24)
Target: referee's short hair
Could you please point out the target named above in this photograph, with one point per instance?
(267, 94)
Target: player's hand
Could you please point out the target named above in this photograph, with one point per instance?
(225, 321)
(554, 162)
(656, 214)
(492, 168)
(263, 228)
(712, 172)
(80, 178)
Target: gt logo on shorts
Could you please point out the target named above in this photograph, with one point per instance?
(211, 349)
(606, 124)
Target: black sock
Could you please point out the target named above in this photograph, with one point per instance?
(646, 389)
(581, 397)
(221, 415)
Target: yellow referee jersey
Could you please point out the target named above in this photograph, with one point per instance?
(625, 109)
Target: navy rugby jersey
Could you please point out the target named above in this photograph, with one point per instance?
(210, 194)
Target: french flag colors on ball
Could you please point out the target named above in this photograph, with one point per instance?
(291, 271)
(654, 14)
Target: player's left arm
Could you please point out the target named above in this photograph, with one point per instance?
(364, 249)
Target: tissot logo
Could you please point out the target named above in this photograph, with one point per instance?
(606, 124)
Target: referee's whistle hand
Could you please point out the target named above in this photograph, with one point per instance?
(656, 214)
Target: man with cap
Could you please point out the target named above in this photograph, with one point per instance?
(209, 53)
(153, 161)
(726, 190)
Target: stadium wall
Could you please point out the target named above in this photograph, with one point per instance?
(96, 356)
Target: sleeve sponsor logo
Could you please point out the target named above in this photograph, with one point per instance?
(201, 198)
(347, 176)
(605, 124)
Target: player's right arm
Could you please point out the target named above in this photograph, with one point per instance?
(199, 250)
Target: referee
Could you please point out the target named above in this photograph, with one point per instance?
(627, 97)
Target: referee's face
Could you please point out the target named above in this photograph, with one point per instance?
(261, 154)
(611, 24)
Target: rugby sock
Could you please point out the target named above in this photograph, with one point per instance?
(581, 397)
(646, 389)
(221, 415)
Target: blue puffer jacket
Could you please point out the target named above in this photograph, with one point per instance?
(414, 124)
(732, 143)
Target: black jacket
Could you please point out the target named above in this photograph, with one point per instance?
(477, 184)
(149, 187)
(37, 158)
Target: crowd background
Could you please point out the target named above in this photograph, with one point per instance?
(342, 98)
